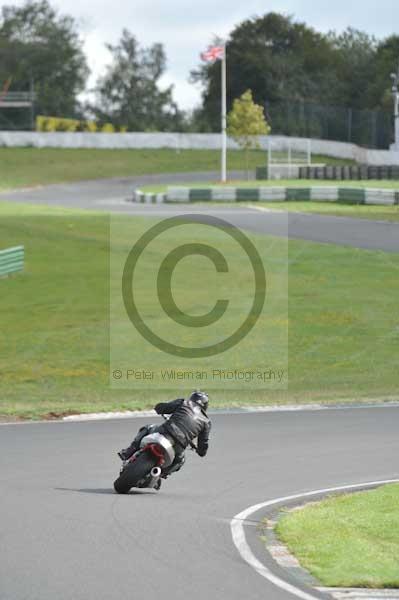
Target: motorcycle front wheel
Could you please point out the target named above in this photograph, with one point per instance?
(134, 472)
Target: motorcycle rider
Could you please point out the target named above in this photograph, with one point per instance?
(188, 420)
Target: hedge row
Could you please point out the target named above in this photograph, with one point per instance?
(57, 124)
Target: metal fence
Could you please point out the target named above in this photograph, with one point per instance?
(369, 128)
(17, 100)
(12, 260)
(295, 118)
(17, 111)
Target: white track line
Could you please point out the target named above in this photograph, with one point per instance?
(242, 410)
(238, 533)
(134, 414)
(246, 410)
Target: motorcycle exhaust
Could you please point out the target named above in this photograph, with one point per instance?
(155, 475)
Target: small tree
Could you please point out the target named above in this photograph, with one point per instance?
(245, 123)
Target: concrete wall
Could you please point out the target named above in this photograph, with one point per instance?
(183, 141)
(177, 141)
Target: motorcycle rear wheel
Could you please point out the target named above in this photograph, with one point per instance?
(134, 472)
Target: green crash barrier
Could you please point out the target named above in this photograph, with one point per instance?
(351, 196)
(298, 194)
(247, 195)
(197, 195)
(341, 195)
(12, 260)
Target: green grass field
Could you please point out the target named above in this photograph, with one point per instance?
(196, 287)
(26, 167)
(374, 213)
(54, 342)
(348, 541)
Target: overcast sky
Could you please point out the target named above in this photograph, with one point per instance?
(186, 27)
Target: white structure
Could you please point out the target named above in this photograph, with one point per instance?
(213, 54)
(284, 163)
(189, 141)
(395, 92)
(224, 116)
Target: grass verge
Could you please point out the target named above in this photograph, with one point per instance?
(26, 167)
(373, 213)
(54, 334)
(348, 541)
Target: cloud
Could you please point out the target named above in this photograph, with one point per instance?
(186, 28)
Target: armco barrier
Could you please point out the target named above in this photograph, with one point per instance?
(347, 195)
(147, 198)
(12, 260)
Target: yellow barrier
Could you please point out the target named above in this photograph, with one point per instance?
(49, 124)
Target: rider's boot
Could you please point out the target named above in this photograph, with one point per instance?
(127, 453)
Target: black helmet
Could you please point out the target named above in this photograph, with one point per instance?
(200, 398)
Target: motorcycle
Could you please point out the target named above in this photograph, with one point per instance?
(146, 467)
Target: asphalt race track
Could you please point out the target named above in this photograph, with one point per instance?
(111, 195)
(66, 535)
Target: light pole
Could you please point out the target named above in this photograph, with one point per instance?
(395, 93)
(224, 116)
(214, 53)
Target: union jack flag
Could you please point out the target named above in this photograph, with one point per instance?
(213, 54)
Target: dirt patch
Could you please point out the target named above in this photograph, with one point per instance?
(11, 419)
(55, 416)
(51, 416)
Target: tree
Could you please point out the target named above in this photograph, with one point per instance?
(379, 90)
(356, 66)
(245, 123)
(42, 49)
(277, 59)
(307, 81)
(129, 94)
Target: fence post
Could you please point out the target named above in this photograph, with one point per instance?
(350, 120)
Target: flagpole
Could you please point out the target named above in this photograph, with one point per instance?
(224, 117)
